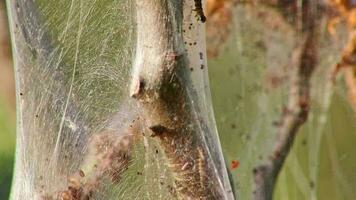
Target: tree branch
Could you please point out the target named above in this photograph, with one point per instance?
(296, 113)
(159, 84)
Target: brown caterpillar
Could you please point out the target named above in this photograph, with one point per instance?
(199, 10)
(201, 167)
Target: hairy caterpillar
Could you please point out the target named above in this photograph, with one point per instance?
(199, 10)
(201, 167)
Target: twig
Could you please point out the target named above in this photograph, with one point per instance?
(348, 66)
(296, 113)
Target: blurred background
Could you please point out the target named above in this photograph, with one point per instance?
(247, 74)
(7, 107)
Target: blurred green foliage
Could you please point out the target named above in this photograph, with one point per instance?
(7, 148)
(321, 164)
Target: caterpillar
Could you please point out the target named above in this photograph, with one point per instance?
(201, 167)
(199, 10)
